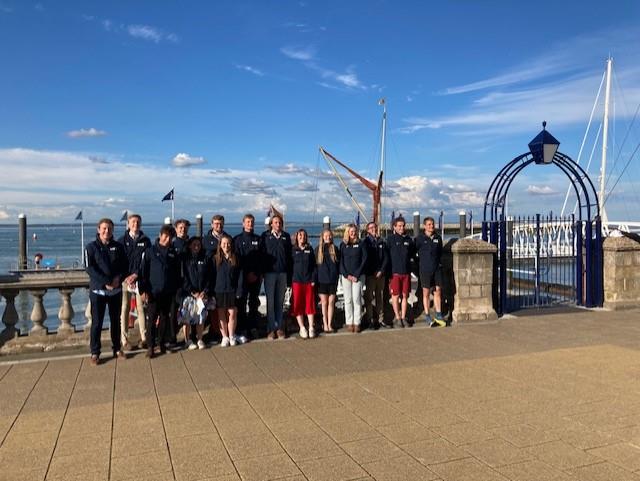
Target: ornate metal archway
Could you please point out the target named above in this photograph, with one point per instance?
(587, 228)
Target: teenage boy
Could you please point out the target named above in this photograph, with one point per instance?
(401, 256)
(429, 250)
(247, 249)
(374, 270)
(159, 277)
(135, 243)
(106, 266)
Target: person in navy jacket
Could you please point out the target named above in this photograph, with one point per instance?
(429, 250)
(353, 258)
(159, 282)
(107, 266)
(303, 280)
(197, 286)
(374, 271)
(228, 289)
(276, 255)
(247, 248)
(328, 272)
(135, 242)
(401, 259)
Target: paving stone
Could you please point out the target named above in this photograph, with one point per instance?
(622, 454)
(604, 472)
(561, 455)
(463, 433)
(137, 444)
(401, 468)
(466, 470)
(138, 465)
(352, 431)
(585, 438)
(79, 463)
(403, 433)
(253, 446)
(337, 468)
(267, 468)
(496, 452)
(523, 435)
(534, 471)
(311, 446)
(434, 451)
(372, 449)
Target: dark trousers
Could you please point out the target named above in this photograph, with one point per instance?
(98, 307)
(159, 308)
(248, 321)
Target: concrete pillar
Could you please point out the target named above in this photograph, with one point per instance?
(10, 315)
(22, 242)
(326, 222)
(416, 224)
(65, 314)
(473, 273)
(38, 314)
(463, 224)
(199, 225)
(621, 273)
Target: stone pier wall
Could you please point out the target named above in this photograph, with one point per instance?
(621, 273)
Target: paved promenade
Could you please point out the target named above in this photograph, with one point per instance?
(537, 398)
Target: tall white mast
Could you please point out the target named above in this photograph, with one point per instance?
(605, 141)
(382, 102)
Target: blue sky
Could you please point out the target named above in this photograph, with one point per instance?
(106, 106)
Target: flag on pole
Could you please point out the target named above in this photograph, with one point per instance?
(168, 196)
(358, 220)
(125, 214)
(79, 216)
(393, 217)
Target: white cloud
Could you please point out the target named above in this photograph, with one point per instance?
(185, 160)
(145, 32)
(540, 190)
(5, 9)
(4, 215)
(296, 53)
(250, 69)
(91, 132)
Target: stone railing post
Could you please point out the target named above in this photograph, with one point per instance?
(87, 316)
(38, 314)
(10, 316)
(65, 314)
(473, 273)
(621, 273)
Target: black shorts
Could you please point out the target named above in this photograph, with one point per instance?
(326, 288)
(431, 279)
(225, 300)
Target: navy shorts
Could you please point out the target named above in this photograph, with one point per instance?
(326, 288)
(431, 279)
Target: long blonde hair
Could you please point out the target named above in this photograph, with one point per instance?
(332, 248)
(219, 255)
(345, 237)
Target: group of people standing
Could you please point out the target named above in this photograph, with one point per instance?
(216, 280)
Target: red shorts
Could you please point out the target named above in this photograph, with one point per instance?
(400, 284)
(303, 299)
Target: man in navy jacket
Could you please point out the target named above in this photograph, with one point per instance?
(401, 259)
(135, 242)
(429, 248)
(159, 282)
(106, 266)
(247, 248)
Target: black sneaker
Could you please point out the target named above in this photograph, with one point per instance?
(386, 324)
(401, 321)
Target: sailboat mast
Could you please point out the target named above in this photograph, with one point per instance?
(605, 141)
(382, 102)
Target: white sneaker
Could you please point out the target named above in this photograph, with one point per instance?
(312, 333)
(303, 332)
(242, 339)
(201, 344)
(192, 346)
(233, 341)
(225, 342)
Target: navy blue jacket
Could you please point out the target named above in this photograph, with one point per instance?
(353, 258)
(401, 253)
(180, 245)
(210, 242)
(134, 249)
(329, 270)
(277, 253)
(228, 278)
(429, 251)
(247, 248)
(104, 262)
(197, 274)
(377, 256)
(304, 264)
(160, 271)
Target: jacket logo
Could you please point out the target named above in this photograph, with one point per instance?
(356, 245)
(112, 248)
(254, 243)
(140, 244)
(406, 243)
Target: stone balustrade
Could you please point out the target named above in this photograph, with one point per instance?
(39, 284)
(621, 272)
